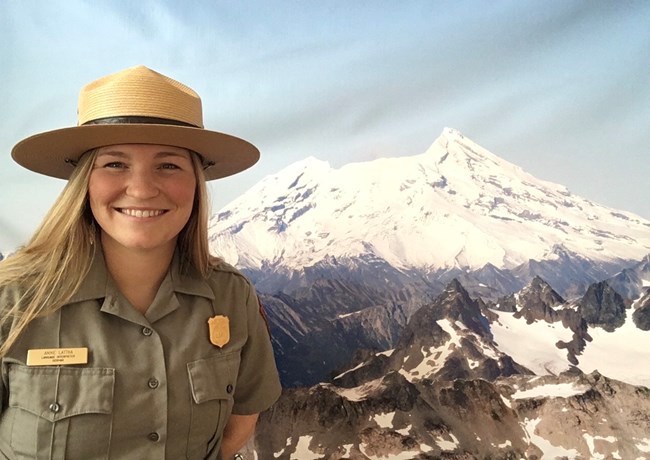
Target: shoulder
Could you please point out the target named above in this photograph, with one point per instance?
(11, 296)
(222, 272)
(11, 293)
(220, 267)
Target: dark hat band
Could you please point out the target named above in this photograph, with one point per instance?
(139, 120)
(135, 120)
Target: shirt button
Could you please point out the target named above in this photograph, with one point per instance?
(229, 389)
(54, 407)
(153, 384)
(155, 437)
(146, 331)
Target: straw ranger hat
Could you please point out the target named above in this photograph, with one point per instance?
(135, 106)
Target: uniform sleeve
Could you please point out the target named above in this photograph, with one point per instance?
(258, 385)
(6, 299)
(2, 395)
(4, 392)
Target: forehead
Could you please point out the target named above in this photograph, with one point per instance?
(148, 150)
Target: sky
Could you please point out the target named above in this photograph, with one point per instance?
(559, 88)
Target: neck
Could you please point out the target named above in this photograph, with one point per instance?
(138, 274)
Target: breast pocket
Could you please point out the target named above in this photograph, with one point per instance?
(60, 412)
(212, 383)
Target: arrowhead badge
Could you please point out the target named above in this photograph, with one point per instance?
(219, 330)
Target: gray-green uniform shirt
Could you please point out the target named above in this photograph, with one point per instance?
(154, 386)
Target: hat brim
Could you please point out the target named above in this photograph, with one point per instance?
(46, 153)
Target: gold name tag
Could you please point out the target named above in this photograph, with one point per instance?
(57, 356)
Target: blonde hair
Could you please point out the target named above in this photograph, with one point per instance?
(50, 268)
(192, 243)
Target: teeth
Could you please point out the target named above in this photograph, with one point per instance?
(141, 212)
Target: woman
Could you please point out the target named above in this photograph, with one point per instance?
(121, 336)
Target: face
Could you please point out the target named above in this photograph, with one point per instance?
(141, 195)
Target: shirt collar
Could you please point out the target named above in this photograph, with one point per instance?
(95, 283)
(190, 280)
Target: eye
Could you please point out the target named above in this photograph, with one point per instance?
(115, 165)
(169, 166)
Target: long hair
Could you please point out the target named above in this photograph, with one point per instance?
(193, 246)
(50, 268)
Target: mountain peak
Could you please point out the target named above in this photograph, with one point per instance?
(451, 133)
(540, 287)
(455, 288)
(603, 306)
(451, 142)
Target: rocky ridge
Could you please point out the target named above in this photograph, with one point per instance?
(448, 390)
(568, 416)
(319, 325)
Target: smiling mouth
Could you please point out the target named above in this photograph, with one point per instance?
(141, 212)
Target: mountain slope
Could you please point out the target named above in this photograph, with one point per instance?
(632, 282)
(570, 416)
(469, 380)
(344, 257)
(456, 205)
(533, 331)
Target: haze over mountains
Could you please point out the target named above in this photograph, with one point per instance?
(446, 305)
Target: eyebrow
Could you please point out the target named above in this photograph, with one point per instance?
(158, 155)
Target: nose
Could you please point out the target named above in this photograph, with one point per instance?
(142, 184)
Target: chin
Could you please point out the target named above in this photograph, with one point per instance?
(146, 245)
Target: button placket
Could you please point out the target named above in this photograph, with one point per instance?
(152, 389)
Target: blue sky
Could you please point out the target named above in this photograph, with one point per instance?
(560, 88)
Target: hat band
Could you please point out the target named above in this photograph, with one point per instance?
(127, 120)
(142, 120)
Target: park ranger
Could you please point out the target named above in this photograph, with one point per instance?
(120, 335)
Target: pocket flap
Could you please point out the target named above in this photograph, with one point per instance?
(56, 393)
(214, 377)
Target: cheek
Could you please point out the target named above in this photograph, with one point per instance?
(183, 194)
(94, 193)
(101, 192)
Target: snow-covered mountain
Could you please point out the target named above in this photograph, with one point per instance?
(527, 377)
(534, 331)
(455, 206)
